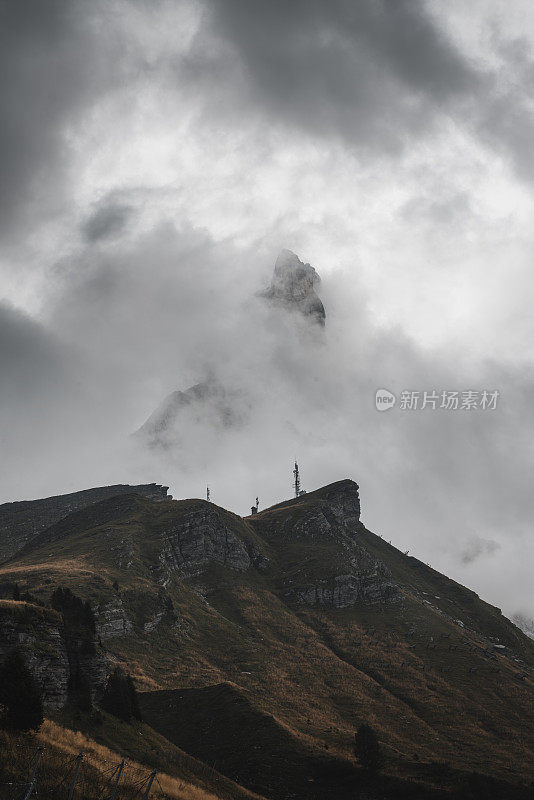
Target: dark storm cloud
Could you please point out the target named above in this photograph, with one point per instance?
(371, 72)
(376, 74)
(54, 60)
(171, 306)
(506, 117)
(107, 221)
(507, 123)
(157, 306)
(39, 81)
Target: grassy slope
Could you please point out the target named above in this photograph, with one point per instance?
(320, 673)
(105, 741)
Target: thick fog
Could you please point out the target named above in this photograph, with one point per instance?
(156, 157)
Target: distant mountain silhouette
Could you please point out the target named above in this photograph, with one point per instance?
(211, 401)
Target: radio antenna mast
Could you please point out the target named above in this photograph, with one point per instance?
(208, 493)
(296, 482)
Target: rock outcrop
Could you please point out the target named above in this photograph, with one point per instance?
(327, 518)
(112, 620)
(319, 512)
(50, 654)
(38, 633)
(342, 500)
(293, 287)
(525, 624)
(200, 538)
(369, 585)
(23, 521)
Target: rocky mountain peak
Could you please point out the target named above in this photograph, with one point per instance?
(341, 499)
(293, 286)
(344, 500)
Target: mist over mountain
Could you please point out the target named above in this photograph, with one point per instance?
(273, 260)
(150, 181)
(214, 404)
(279, 386)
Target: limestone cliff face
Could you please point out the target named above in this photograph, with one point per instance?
(40, 634)
(112, 619)
(342, 500)
(199, 539)
(22, 522)
(346, 590)
(368, 582)
(315, 514)
(327, 521)
(293, 287)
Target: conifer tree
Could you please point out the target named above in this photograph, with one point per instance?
(134, 700)
(21, 706)
(120, 697)
(367, 748)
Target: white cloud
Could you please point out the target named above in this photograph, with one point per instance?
(170, 183)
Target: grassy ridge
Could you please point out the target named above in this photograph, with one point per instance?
(307, 676)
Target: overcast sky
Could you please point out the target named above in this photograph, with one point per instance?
(155, 157)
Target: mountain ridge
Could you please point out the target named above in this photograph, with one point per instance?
(315, 619)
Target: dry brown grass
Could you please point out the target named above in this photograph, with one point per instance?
(319, 672)
(60, 747)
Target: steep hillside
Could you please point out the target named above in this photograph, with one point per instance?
(20, 522)
(105, 742)
(307, 622)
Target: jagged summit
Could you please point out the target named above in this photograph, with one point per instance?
(208, 399)
(212, 402)
(293, 286)
(341, 497)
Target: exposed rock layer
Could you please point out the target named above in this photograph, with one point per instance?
(199, 538)
(40, 635)
(111, 620)
(328, 517)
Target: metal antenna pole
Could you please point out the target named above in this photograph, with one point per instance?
(31, 784)
(297, 479)
(208, 493)
(116, 784)
(79, 760)
(149, 785)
